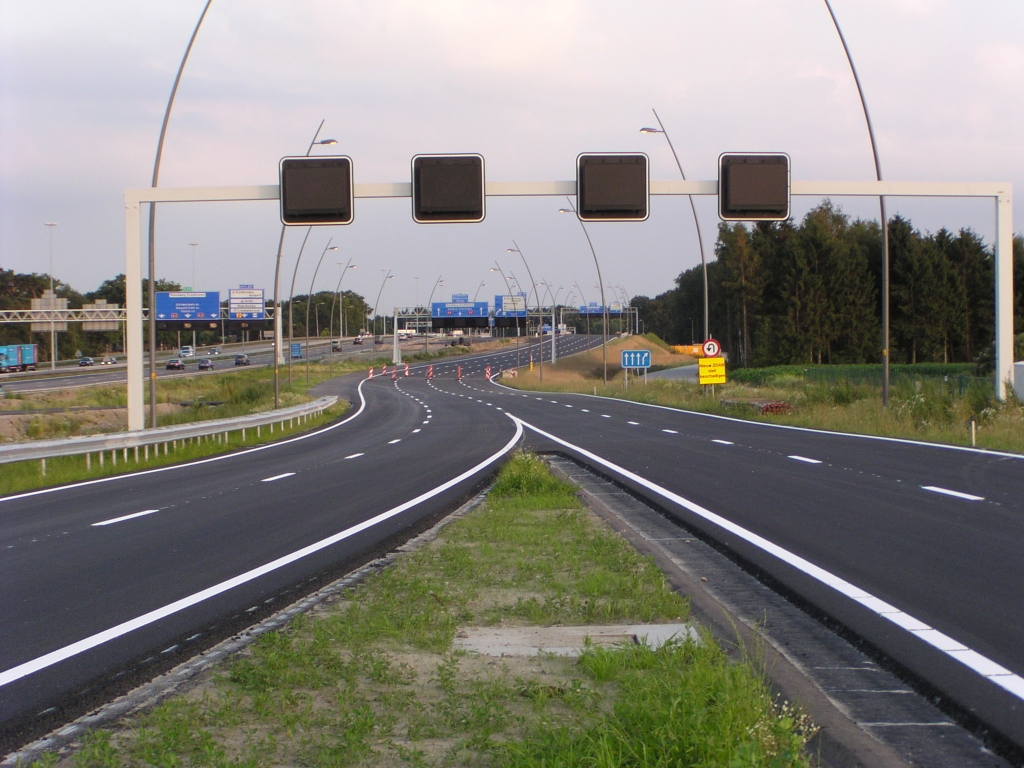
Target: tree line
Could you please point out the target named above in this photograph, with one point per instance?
(785, 293)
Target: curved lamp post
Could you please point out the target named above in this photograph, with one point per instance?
(152, 221)
(700, 239)
(881, 205)
(430, 311)
(497, 268)
(341, 325)
(482, 284)
(277, 294)
(309, 300)
(534, 284)
(600, 283)
(376, 304)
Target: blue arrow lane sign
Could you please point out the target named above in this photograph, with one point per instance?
(636, 358)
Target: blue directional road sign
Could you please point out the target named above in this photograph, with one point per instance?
(184, 306)
(450, 309)
(296, 351)
(246, 304)
(511, 305)
(636, 358)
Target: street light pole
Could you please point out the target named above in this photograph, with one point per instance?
(497, 268)
(341, 315)
(309, 300)
(194, 245)
(539, 320)
(600, 283)
(881, 206)
(426, 336)
(152, 221)
(376, 304)
(53, 324)
(700, 239)
(278, 331)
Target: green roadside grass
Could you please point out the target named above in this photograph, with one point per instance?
(923, 405)
(372, 678)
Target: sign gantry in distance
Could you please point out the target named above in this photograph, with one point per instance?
(753, 186)
(612, 187)
(316, 190)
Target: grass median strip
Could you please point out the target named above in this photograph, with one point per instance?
(373, 678)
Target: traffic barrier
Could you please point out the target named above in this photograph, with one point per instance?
(371, 372)
(406, 369)
(144, 438)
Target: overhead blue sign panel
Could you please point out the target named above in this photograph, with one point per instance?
(180, 306)
(593, 309)
(636, 358)
(510, 305)
(443, 309)
(460, 298)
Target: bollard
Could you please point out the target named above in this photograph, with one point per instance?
(43, 463)
(88, 461)
(101, 459)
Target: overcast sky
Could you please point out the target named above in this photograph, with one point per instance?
(529, 85)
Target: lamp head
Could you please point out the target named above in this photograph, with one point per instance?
(651, 130)
(328, 141)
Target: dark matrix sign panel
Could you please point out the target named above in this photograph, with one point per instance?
(316, 190)
(753, 187)
(612, 187)
(447, 188)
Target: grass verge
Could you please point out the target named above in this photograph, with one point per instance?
(923, 406)
(372, 678)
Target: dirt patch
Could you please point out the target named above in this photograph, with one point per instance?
(16, 426)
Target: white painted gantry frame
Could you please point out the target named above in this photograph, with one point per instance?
(1002, 193)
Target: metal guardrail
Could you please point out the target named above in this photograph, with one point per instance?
(144, 438)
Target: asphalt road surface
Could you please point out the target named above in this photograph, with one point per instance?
(914, 547)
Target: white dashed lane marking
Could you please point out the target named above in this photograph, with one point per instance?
(126, 517)
(957, 494)
(723, 442)
(634, 423)
(670, 431)
(355, 455)
(396, 440)
(415, 430)
(804, 459)
(276, 477)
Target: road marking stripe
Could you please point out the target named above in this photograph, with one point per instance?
(416, 430)
(670, 431)
(396, 440)
(85, 644)
(276, 477)
(973, 660)
(355, 455)
(724, 442)
(605, 416)
(222, 457)
(634, 423)
(804, 459)
(126, 517)
(957, 494)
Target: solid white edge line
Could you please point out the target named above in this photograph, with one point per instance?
(221, 457)
(125, 517)
(957, 494)
(61, 654)
(733, 419)
(804, 459)
(277, 477)
(974, 661)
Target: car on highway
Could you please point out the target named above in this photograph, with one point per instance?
(357, 340)
(174, 364)
(206, 365)
(241, 360)
(108, 360)
(186, 351)
(86, 361)
(213, 351)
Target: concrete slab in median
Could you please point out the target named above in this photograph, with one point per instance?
(566, 641)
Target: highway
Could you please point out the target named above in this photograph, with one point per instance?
(914, 547)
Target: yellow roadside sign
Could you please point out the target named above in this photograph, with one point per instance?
(711, 370)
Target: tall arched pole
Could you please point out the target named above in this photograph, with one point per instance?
(509, 289)
(430, 311)
(600, 283)
(539, 320)
(291, 301)
(693, 208)
(376, 304)
(152, 222)
(341, 314)
(278, 331)
(309, 300)
(881, 206)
